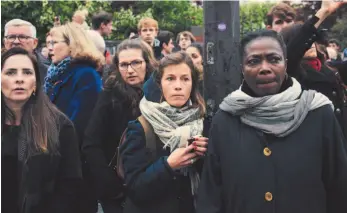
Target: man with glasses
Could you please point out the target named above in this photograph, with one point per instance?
(20, 33)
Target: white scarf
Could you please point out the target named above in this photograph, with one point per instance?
(174, 127)
(279, 114)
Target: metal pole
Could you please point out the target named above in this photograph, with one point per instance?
(222, 73)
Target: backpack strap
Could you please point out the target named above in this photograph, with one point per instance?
(151, 140)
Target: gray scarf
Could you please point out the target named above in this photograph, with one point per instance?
(279, 114)
(174, 127)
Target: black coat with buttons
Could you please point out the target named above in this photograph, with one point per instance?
(246, 171)
(152, 186)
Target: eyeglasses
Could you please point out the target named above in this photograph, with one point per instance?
(136, 64)
(21, 38)
(52, 43)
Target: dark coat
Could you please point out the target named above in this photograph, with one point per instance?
(43, 65)
(49, 182)
(109, 120)
(152, 186)
(76, 93)
(303, 172)
(323, 81)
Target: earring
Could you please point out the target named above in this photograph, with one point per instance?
(34, 92)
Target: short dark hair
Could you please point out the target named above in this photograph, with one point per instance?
(282, 10)
(335, 41)
(262, 34)
(180, 58)
(101, 18)
(164, 37)
(198, 47)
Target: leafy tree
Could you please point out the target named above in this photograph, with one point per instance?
(252, 16)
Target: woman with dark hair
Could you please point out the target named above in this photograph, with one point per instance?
(274, 147)
(196, 54)
(307, 64)
(166, 179)
(117, 104)
(313, 73)
(40, 161)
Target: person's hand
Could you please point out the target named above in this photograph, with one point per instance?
(182, 157)
(330, 6)
(200, 145)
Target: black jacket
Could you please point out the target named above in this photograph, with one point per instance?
(43, 65)
(303, 172)
(109, 119)
(49, 182)
(323, 81)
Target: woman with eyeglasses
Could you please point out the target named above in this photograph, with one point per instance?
(118, 104)
(73, 84)
(40, 164)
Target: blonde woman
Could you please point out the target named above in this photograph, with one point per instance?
(73, 83)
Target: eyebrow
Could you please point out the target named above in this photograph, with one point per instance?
(259, 55)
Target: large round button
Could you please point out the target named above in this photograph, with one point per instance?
(334, 93)
(267, 151)
(338, 111)
(268, 196)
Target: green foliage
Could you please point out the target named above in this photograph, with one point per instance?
(253, 16)
(175, 16)
(339, 31)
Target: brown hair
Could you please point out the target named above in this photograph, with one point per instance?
(115, 82)
(182, 57)
(185, 34)
(40, 122)
(147, 22)
(281, 10)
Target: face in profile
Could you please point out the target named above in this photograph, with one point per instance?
(148, 34)
(279, 23)
(106, 29)
(195, 56)
(18, 80)
(264, 66)
(132, 66)
(176, 84)
(60, 49)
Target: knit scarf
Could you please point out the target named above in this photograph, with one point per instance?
(174, 126)
(279, 114)
(54, 72)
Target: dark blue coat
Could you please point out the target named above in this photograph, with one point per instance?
(246, 171)
(76, 93)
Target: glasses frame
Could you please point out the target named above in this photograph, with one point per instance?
(25, 37)
(130, 64)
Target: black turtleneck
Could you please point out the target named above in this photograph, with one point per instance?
(288, 82)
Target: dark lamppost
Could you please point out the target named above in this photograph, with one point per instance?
(222, 73)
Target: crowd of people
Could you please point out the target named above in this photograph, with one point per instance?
(129, 132)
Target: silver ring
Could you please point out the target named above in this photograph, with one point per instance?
(192, 161)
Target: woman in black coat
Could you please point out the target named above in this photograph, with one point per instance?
(39, 147)
(116, 106)
(307, 64)
(165, 179)
(274, 147)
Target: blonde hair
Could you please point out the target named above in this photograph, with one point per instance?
(98, 40)
(79, 41)
(81, 13)
(147, 22)
(18, 23)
